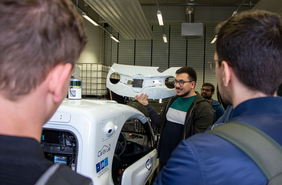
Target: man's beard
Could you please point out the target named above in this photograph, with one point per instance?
(185, 94)
(206, 96)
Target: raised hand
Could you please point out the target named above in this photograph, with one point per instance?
(143, 99)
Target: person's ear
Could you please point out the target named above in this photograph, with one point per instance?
(226, 75)
(59, 81)
(193, 83)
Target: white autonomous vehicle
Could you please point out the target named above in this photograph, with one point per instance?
(111, 143)
(95, 139)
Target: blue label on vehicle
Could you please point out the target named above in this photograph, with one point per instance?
(101, 165)
(106, 161)
(97, 167)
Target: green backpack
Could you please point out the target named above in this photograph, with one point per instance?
(261, 148)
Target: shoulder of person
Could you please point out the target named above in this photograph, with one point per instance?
(216, 103)
(200, 100)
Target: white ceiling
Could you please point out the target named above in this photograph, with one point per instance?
(127, 16)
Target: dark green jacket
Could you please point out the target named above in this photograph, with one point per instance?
(198, 118)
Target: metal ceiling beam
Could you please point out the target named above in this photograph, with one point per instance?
(272, 6)
(198, 4)
(81, 11)
(239, 7)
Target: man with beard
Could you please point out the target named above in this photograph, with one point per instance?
(248, 70)
(207, 92)
(184, 115)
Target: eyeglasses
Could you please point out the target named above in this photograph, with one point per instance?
(207, 90)
(212, 64)
(180, 82)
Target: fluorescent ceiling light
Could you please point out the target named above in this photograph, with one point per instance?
(165, 39)
(115, 39)
(214, 39)
(89, 19)
(160, 18)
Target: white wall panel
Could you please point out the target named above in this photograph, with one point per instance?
(90, 54)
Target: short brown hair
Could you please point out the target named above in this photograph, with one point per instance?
(251, 43)
(219, 26)
(192, 75)
(35, 36)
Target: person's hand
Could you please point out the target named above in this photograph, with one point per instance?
(143, 99)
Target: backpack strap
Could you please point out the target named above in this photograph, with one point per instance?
(262, 149)
(47, 174)
(60, 174)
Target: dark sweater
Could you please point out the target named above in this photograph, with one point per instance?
(22, 162)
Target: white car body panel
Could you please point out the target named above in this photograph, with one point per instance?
(148, 81)
(96, 125)
(136, 173)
